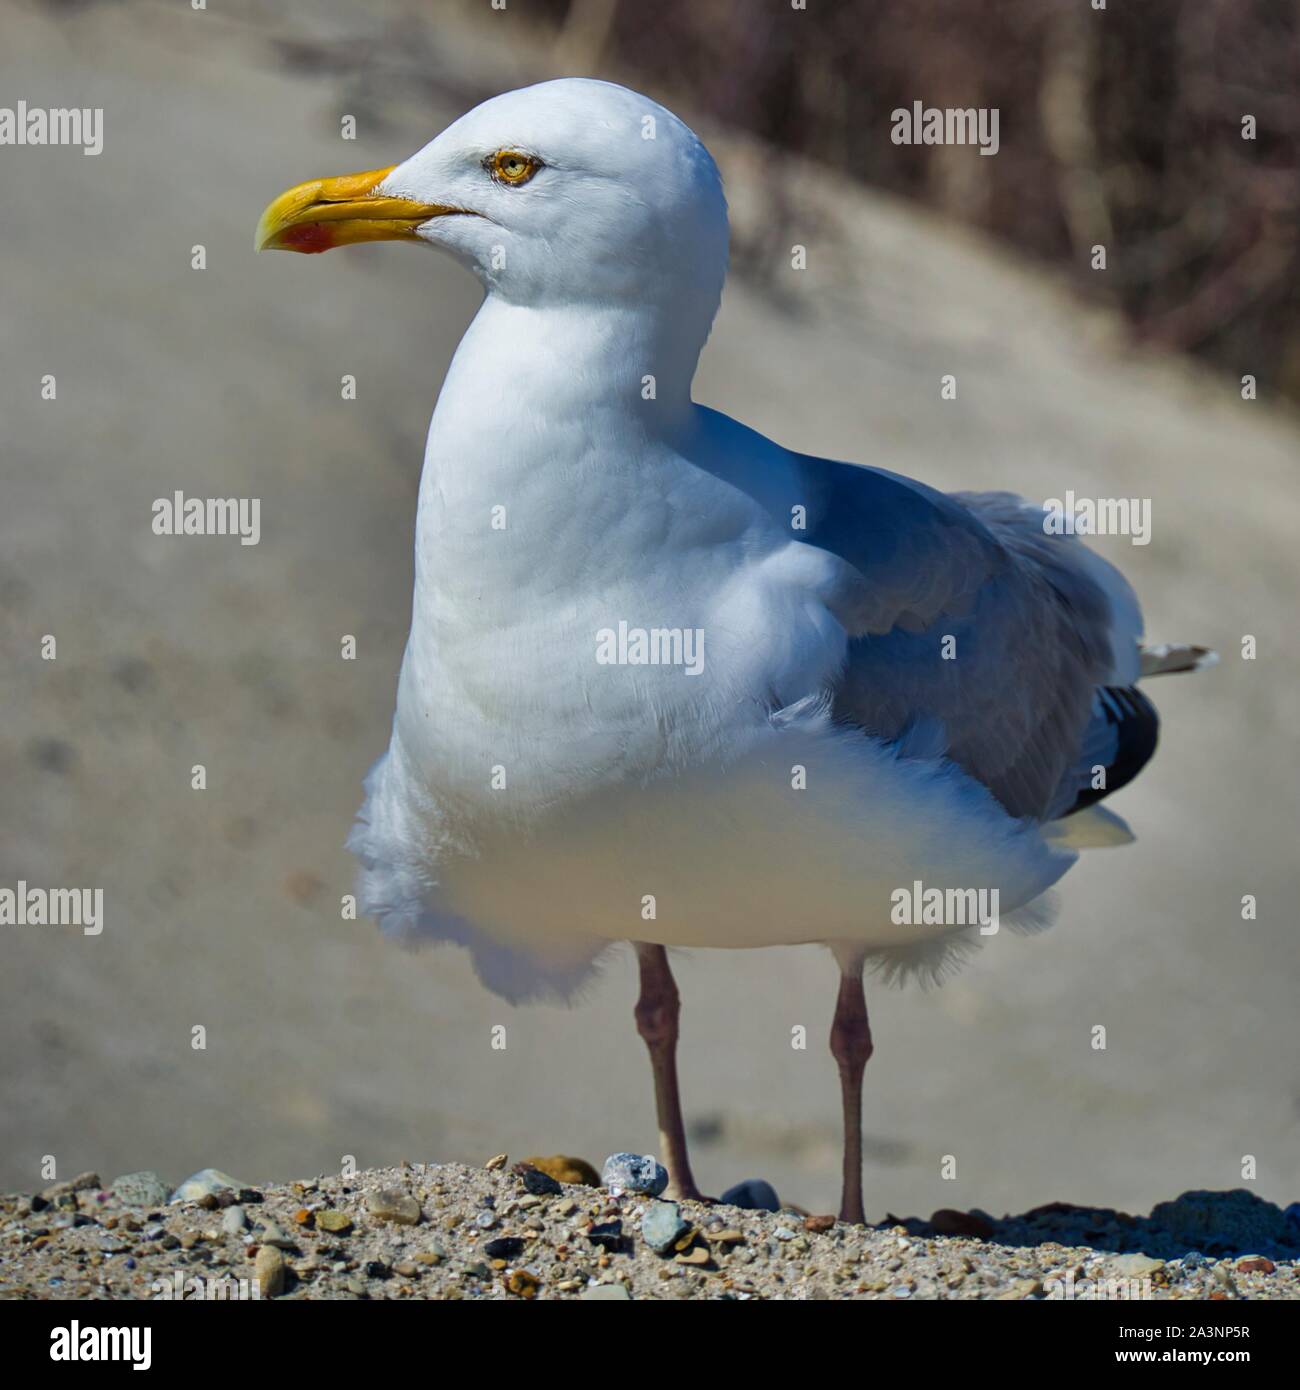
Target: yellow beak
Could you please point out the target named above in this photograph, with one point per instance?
(324, 213)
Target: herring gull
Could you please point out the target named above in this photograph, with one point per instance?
(669, 682)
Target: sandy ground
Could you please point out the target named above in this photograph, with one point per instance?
(446, 1231)
(222, 904)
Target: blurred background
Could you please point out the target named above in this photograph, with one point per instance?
(1119, 127)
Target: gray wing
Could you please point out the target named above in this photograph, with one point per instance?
(973, 634)
(1005, 680)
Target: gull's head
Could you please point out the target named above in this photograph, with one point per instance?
(573, 191)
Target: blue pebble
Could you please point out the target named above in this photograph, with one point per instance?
(634, 1173)
(752, 1195)
(662, 1226)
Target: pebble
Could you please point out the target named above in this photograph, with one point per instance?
(607, 1235)
(605, 1293)
(207, 1182)
(146, 1189)
(662, 1226)
(233, 1220)
(269, 1269)
(271, 1234)
(503, 1248)
(752, 1195)
(625, 1172)
(1136, 1266)
(392, 1204)
(338, 1223)
(497, 1162)
(535, 1181)
(83, 1182)
(696, 1255)
(565, 1168)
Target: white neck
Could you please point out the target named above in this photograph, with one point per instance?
(532, 392)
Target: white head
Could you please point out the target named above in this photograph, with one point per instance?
(573, 191)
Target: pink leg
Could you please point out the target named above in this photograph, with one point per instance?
(657, 1012)
(851, 1046)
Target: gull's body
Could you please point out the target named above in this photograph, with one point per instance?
(893, 686)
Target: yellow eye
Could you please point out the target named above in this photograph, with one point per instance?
(509, 166)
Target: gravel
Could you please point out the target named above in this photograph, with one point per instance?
(448, 1231)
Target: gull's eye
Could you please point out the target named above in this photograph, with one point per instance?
(511, 167)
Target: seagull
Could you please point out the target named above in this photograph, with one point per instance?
(671, 683)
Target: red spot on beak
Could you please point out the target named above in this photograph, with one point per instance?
(308, 237)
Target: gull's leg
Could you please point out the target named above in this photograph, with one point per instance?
(851, 1046)
(657, 1011)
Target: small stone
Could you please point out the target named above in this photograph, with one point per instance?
(536, 1182)
(625, 1172)
(784, 1233)
(430, 1257)
(662, 1226)
(1135, 1266)
(729, 1236)
(271, 1234)
(83, 1182)
(485, 1220)
(605, 1293)
(697, 1255)
(233, 1221)
(565, 1168)
(497, 1162)
(503, 1248)
(144, 1189)
(818, 1223)
(338, 1223)
(522, 1283)
(947, 1222)
(392, 1204)
(269, 1269)
(207, 1182)
(1255, 1264)
(752, 1195)
(376, 1269)
(607, 1235)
